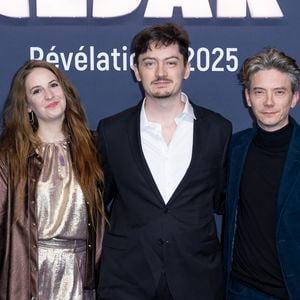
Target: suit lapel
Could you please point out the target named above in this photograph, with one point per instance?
(134, 136)
(238, 156)
(198, 137)
(291, 168)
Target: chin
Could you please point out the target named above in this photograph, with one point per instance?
(162, 96)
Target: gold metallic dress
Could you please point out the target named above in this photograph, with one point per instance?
(62, 228)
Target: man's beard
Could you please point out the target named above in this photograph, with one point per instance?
(162, 95)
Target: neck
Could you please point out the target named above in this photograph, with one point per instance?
(51, 133)
(163, 111)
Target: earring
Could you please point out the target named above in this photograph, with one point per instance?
(31, 117)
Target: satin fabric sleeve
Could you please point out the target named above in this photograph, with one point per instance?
(3, 210)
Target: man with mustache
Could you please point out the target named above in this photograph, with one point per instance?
(262, 232)
(164, 164)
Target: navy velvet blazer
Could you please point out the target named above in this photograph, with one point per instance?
(288, 207)
(147, 237)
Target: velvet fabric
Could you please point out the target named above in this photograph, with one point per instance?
(288, 208)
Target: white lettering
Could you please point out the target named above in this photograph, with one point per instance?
(257, 8)
(36, 50)
(15, 8)
(154, 8)
(87, 58)
(52, 57)
(114, 8)
(66, 60)
(81, 60)
(61, 8)
(115, 54)
(214, 60)
(190, 8)
(124, 48)
(103, 62)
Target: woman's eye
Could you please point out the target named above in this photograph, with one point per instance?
(36, 91)
(54, 84)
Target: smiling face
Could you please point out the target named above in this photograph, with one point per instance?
(270, 97)
(45, 96)
(161, 70)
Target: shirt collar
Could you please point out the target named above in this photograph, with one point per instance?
(187, 114)
(188, 111)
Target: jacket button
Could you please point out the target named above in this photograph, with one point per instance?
(160, 242)
(166, 210)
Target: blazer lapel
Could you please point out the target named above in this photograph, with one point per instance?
(198, 138)
(134, 136)
(238, 156)
(291, 168)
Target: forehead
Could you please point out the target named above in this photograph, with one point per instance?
(271, 78)
(39, 76)
(159, 51)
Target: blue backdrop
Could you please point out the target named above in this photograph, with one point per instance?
(94, 51)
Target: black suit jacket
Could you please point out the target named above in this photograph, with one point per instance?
(147, 237)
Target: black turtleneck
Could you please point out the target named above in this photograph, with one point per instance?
(255, 260)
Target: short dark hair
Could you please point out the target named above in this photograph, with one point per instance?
(161, 35)
(267, 59)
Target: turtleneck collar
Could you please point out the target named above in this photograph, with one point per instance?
(274, 140)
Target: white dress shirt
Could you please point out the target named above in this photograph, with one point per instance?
(168, 163)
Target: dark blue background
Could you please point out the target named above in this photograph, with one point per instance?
(106, 92)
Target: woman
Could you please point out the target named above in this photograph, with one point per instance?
(51, 211)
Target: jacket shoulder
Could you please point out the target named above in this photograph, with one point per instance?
(242, 136)
(120, 117)
(213, 116)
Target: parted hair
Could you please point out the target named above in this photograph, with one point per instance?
(19, 138)
(270, 58)
(161, 35)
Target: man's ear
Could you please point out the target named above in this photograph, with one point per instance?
(137, 73)
(187, 70)
(295, 99)
(247, 97)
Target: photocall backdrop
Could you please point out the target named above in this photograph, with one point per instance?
(90, 41)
